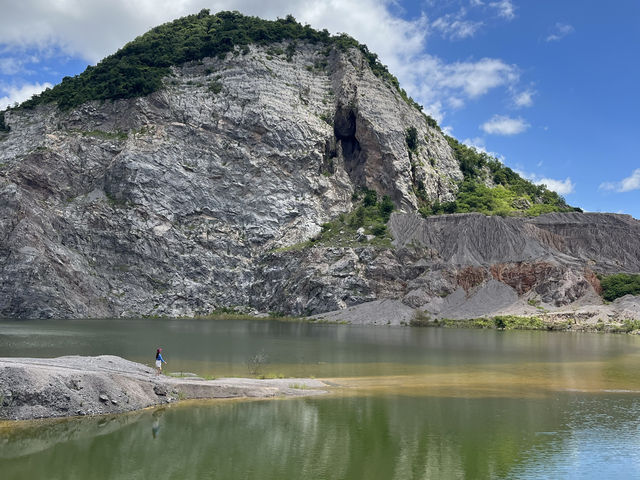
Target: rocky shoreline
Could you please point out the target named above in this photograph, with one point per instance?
(69, 386)
(620, 316)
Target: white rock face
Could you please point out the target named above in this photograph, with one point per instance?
(164, 205)
(181, 202)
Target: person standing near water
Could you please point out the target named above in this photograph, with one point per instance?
(159, 360)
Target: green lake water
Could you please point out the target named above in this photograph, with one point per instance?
(406, 403)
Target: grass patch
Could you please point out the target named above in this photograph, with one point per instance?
(102, 134)
(324, 321)
(626, 327)
(272, 376)
(299, 386)
(512, 322)
(504, 322)
(221, 314)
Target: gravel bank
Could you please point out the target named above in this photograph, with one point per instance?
(74, 386)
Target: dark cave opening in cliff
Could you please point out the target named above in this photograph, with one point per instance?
(344, 128)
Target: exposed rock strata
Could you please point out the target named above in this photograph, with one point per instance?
(460, 266)
(163, 205)
(179, 203)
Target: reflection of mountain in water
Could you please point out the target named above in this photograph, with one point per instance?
(382, 437)
(29, 438)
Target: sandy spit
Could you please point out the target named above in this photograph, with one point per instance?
(74, 386)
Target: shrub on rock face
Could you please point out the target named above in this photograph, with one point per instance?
(215, 87)
(412, 139)
(379, 230)
(385, 208)
(358, 218)
(370, 198)
(619, 285)
(3, 126)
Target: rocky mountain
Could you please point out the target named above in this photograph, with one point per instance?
(215, 187)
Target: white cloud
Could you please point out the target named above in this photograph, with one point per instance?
(479, 144)
(523, 99)
(92, 30)
(503, 125)
(628, 184)
(20, 94)
(505, 9)
(95, 29)
(477, 78)
(10, 65)
(562, 187)
(456, 102)
(475, 142)
(454, 27)
(434, 109)
(428, 79)
(559, 31)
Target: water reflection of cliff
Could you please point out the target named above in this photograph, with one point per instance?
(375, 437)
(28, 438)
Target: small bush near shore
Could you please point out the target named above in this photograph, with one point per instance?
(626, 327)
(255, 363)
(512, 322)
(503, 322)
(420, 319)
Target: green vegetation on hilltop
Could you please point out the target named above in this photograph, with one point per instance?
(619, 285)
(510, 194)
(137, 69)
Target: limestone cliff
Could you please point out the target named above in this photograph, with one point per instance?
(181, 202)
(166, 204)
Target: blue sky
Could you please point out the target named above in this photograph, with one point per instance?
(551, 88)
